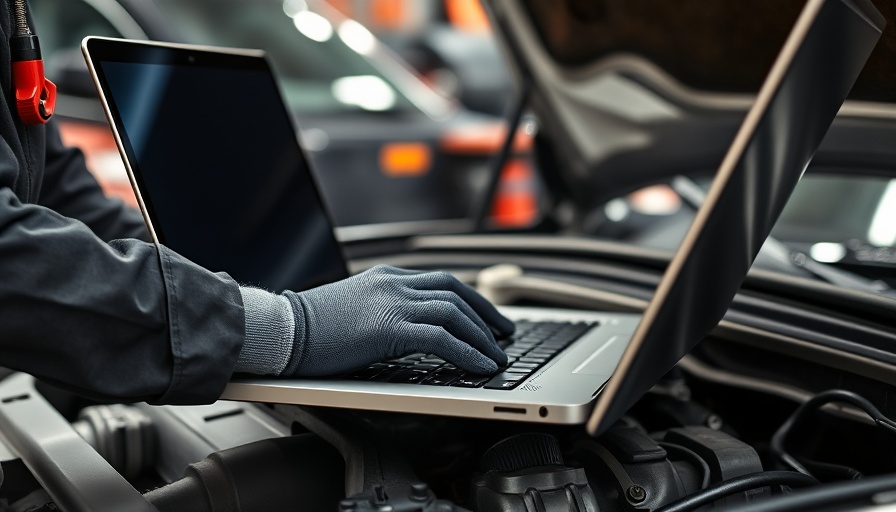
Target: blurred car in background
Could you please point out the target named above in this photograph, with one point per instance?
(385, 146)
(448, 42)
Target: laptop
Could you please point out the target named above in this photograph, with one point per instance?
(221, 178)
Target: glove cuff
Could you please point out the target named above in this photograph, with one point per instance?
(300, 334)
(270, 326)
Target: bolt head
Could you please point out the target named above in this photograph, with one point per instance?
(636, 493)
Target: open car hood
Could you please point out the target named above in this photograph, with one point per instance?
(632, 93)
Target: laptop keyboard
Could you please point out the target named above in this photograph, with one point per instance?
(530, 347)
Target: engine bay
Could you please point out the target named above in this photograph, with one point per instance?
(735, 425)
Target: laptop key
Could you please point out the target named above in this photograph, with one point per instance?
(374, 370)
(408, 376)
(441, 378)
(385, 375)
(470, 381)
(365, 373)
(504, 381)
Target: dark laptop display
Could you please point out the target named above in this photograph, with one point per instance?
(240, 199)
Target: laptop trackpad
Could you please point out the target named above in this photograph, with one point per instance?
(602, 361)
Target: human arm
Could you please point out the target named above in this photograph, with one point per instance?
(118, 320)
(120, 279)
(121, 320)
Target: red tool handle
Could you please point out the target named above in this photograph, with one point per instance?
(35, 95)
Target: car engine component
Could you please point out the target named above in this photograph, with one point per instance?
(527, 472)
(415, 497)
(290, 473)
(122, 434)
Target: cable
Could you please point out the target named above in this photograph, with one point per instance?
(872, 493)
(736, 485)
(704, 467)
(827, 472)
(834, 395)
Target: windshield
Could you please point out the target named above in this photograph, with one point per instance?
(323, 64)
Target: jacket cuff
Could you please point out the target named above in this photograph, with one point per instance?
(270, 325)
(206, 326)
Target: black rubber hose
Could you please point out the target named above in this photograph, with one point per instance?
(827, 472)
(873, 492)
(736, 485)
(834, 395)
(694, 458)
(868, 492)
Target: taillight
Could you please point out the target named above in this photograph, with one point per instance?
(402, 159)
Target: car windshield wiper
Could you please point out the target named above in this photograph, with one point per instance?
(693, 195)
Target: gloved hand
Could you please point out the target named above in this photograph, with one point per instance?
(386, 313)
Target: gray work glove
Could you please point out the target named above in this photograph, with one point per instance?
(385, 313)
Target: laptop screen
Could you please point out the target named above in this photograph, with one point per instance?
(802, 94)
(209, 140)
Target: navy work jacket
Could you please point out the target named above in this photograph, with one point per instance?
(85, 305)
